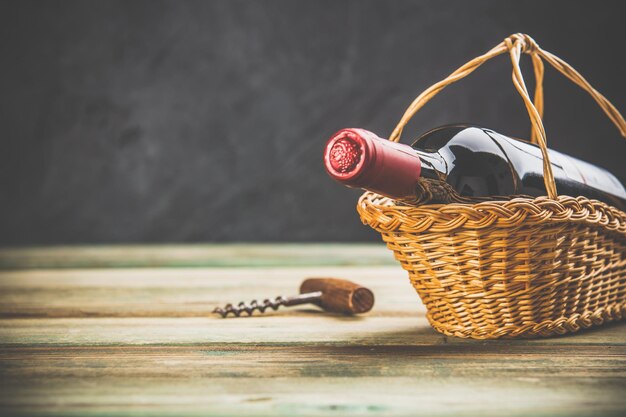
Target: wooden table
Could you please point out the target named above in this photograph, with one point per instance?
(127, 331)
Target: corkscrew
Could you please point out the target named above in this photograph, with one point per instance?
(331, 294)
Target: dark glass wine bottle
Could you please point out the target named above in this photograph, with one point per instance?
(461, 163)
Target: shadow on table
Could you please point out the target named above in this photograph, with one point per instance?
(422, 340)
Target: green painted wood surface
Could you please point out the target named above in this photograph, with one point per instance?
(85, 338)
(198, 255)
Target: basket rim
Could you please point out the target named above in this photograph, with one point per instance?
(387, 215)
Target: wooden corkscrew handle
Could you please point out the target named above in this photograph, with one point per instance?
(339, 295)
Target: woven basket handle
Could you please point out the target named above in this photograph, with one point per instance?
(516, 45)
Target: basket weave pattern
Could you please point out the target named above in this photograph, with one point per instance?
(521, 268)
(524, 267)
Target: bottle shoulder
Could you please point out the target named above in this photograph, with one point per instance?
(460, 140)
(476, 165)
(466, 135)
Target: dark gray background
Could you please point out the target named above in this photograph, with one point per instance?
(145, 121)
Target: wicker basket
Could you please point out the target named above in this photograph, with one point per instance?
(517, 268)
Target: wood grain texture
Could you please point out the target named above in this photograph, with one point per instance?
(198, 255)
(141, 341)
(339, 295)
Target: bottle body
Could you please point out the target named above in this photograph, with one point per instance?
(467, 163)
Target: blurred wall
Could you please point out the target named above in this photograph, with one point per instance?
(148, 121)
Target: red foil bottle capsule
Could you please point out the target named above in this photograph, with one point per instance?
(360, 159)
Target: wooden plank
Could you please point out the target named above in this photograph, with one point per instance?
(198, 255)
(312, 328)
(314, 396)
(307, 381)
(319, 360)
(398, 316)
(153, 292)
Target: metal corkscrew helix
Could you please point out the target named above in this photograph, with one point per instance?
(331, 294)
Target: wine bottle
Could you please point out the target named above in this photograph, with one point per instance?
(461, 163)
